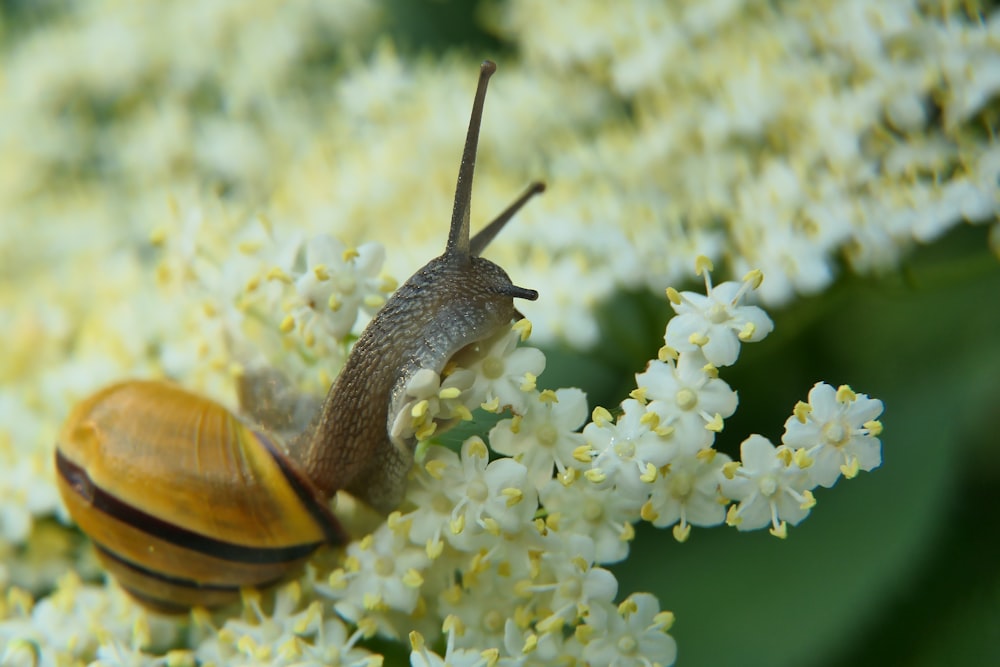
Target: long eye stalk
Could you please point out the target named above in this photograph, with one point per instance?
(458, 236)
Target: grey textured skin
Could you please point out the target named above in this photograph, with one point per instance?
(451, 302)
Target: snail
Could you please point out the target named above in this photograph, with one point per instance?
(187, 503)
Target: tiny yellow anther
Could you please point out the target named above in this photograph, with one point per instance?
(747, 332)
(651, 420)
(639, 394)
(706, 455)
(477, 448)
(277, 273)
(449, 392)
(845, 394)
(374, 301)
(548, 396)
(523, 327)
(732, 516)
(627, 607)
(413, 579)
(387, 283)
(434, 548)
(550, 624)
(781, 532)
(528, 383)
(436, 468)
(515, 424)
(287, 324)
(601, 416)
(419, 409)
(647, 512)
(851, 468)
(681, 532)
(703, 264)
(755, 277)
(321, 273)
(664, 620)
(350, 253)
(158, 236)
(802, 459)
(674, 296)
(667, 353)
(649, 475)
(808, 500)
(874, 427)
(513, 495)
(716, 424)
(698, 339)
(492, 405)
(595, 475)
(802, 411)
(583, 454)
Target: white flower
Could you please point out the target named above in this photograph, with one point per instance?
(382, 572)
(629, 452)
(688, 493)
(838, 431)
(634, 635)
(332, 645)
(336, 283)
(429, 494)
(769, 485)
(421, 656)
(603, 514)
(71, 624)
(259, 635)
(689, 398)
(524, 648)
(490, 498)
(431, 401)
(544, 434)
(568, 582)
(484, 600)
(504, 372)
(715, 323)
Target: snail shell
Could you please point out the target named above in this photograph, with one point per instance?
(185, 504)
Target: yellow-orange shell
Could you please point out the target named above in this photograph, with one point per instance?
(184, 502)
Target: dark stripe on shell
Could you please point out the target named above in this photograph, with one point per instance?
(309, 496)
(78, 479)
(179, 581)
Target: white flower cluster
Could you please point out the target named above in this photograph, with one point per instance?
(506, 553)
(505, 556)
(819, 132)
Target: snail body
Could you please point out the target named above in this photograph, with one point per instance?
(187, 503)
